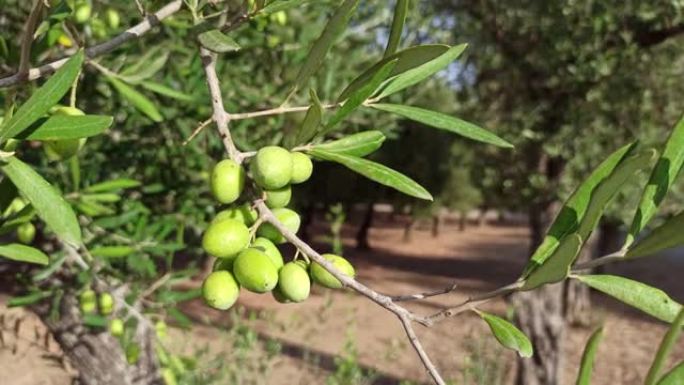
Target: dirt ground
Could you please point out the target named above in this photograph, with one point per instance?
(314, 334)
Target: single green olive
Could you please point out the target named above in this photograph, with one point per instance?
(225, 238)
(302, 168)
(161, 329)
(88, 301)
(82, 13)
(26, 233)
(220, 290)
(272, 167)
(324, 278)
(278, 198)
(132, 353)
(287, 217)
(227, 181)
(112, 17)
(293, 282)
(255, 271)
(116, 327)
(270, 249)
(106, 303)
(65, 148)
(243, 213)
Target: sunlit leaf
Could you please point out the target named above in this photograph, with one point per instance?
(588, 358)
(217, 41)
(67, 127)
(113, 185)
(668, 235)
(375, 172)
(400, 11)
(138, 100)
(636, 294)
(674, 376)
(23, 253)
(557, 267)
(359, 145)
(281, 5)
(666, 345)
(166, 91)
(443, 122)
(508, 335)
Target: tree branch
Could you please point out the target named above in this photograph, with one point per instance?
(27, 39)
(99, 49)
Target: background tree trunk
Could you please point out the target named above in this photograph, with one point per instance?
(408, 229)
(362, 235)
(96, 354)
(462, 219)
(436, 224)
(577, 295)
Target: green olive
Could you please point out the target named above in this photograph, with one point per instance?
(160, 328)
(255, 271)
(293, 282)
(26, 233)
(324, 278)
(271, 250)
(132, 353)
(106, 302)
(87, 301)
(82, 13)
(220, 290)
(243, 213)
(278, 198)
(272, 167)
(116, 327)
(287, 217)
(112, 17)
(302, 167)
(227, 181)
(225, 238)
(65, 148)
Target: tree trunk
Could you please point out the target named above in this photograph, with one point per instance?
(482, 219)
(436, 224)
(408, 229)
(462, 219)
(577, 296)
(362, 235)
(95, 353)
(540, 315)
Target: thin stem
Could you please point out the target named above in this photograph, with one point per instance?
(606, 259)
(278, 111)
(27, 39)
(197, 130)
(418, 347)
(413, 297)
(132, 33)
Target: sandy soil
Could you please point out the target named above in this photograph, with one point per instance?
(315, 332)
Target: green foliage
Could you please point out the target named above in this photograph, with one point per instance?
(508, 335)
(588, 357)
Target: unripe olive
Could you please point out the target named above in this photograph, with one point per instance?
(225, 238)
(169, 376)
(65, 148)
(272, 167)
(160, 328)
(26, 233)
(278, 198)
(82, 13)
(106, 302)
(243, 213)
(303, 264)
(98, 27)
(176, 364)
(302, 167)
(293, 282)
(227, 181)
(112, 17)
(255, 272)
(132, 353)
(324, 278)
(116, 327)
(87, 301)
(287, 217)
(220, 290)
(267, 247)
(15, 206)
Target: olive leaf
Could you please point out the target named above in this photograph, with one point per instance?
(663, 175)
(674, 376)
(557, 267)
(375, 172)
(508, 335)
(43, 98)
(668, 235)
(359, 144)
(22, 253)
(665, 348)
(400, 11)
(67, 127)
(636, 294)
(588, 358)
(312, 120)
(138, 100)
(217, 41)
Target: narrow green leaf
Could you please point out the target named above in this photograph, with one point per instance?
(375, 172)
(45, 97)
(443, 122)
(664, 173)
(312, 120)
(359, 145)
(674, 376)
(150, 67)
(217, 41)
(7, 194)
(281, 5)
(48, 203)
(670, 234)
(166, 91)
(67, 127)
(508, 335)
(361, 95)
(666, 345)
(588, 358)
(422, 72)
(610, 187)
(112, 185)
(138, 100)
(400, 11)
(29, 299)
(94, 320)
(22, 253)
(407, 59)
(112, 252)
(636, 294)
(574, 208)
(336, 25)
(557, 267)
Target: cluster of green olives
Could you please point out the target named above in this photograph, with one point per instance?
(245, 249)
